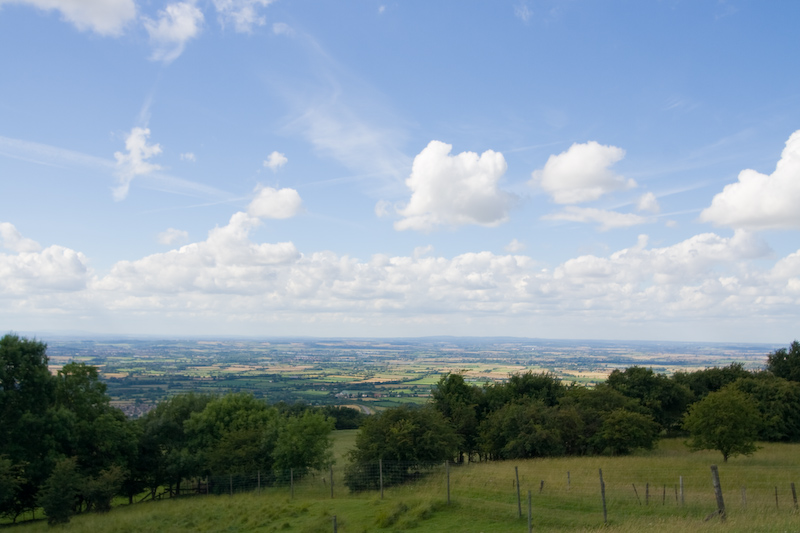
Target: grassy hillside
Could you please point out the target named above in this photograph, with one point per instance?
(484, 499)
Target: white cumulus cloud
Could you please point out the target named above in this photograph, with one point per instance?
(648, 202)
(12, 239)
(134, 162)
(172, 236)
(226, 262)
(176, 25)
(514, 246)
(455, 190)
(230, 280)
(582, 173)
(275, 161)
(275, 203)
(759, 201)
(33, 272)
(230, 276)
(607, 219)
(243, 14)
(189, 156)
(105, 17)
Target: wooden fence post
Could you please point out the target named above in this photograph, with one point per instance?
(647, 493)
(541, 486)
(519, 500)
(331, 482)
(568, 481)
(718, 492)
(682, 497)
(447, 470)
(530, 513)
(335, 529)
(603, 494)
(664, 496)
(794, 496)
(380, 473)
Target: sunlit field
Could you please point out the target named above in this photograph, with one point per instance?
(565, 496)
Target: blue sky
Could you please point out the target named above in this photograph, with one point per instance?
(571, 169)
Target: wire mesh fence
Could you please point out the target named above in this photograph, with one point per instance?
(650, 486)
(631, 486)
(626, 489)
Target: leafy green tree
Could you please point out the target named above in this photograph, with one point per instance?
(726, 420)
(701, 382)
(458, 402)
(778, 402)
(164, 457)
(521, 429)
(26, 434)
(411, 436)
(79, 389)
(666, 399)
(99, 491)
(785, 363)
(304, 442)
(97, 434)
(59, 494)
(235, 433)
(623, 431)
(582, 412)
(408, 434)
(544, 386)
(11, 480)
(344, 417)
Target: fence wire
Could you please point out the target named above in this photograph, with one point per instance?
(632, 487)
(628, 490)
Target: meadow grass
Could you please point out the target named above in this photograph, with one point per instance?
(484, 498)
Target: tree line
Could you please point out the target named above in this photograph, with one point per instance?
(65, 448)
(538, 415)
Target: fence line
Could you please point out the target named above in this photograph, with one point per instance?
(692, 489)
(502, 484)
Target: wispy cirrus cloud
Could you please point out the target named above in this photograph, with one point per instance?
(44, 154)
(345, 119)
(243, 15)
(606, 219)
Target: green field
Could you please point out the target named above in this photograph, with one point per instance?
(373, 374)
(483, 498)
